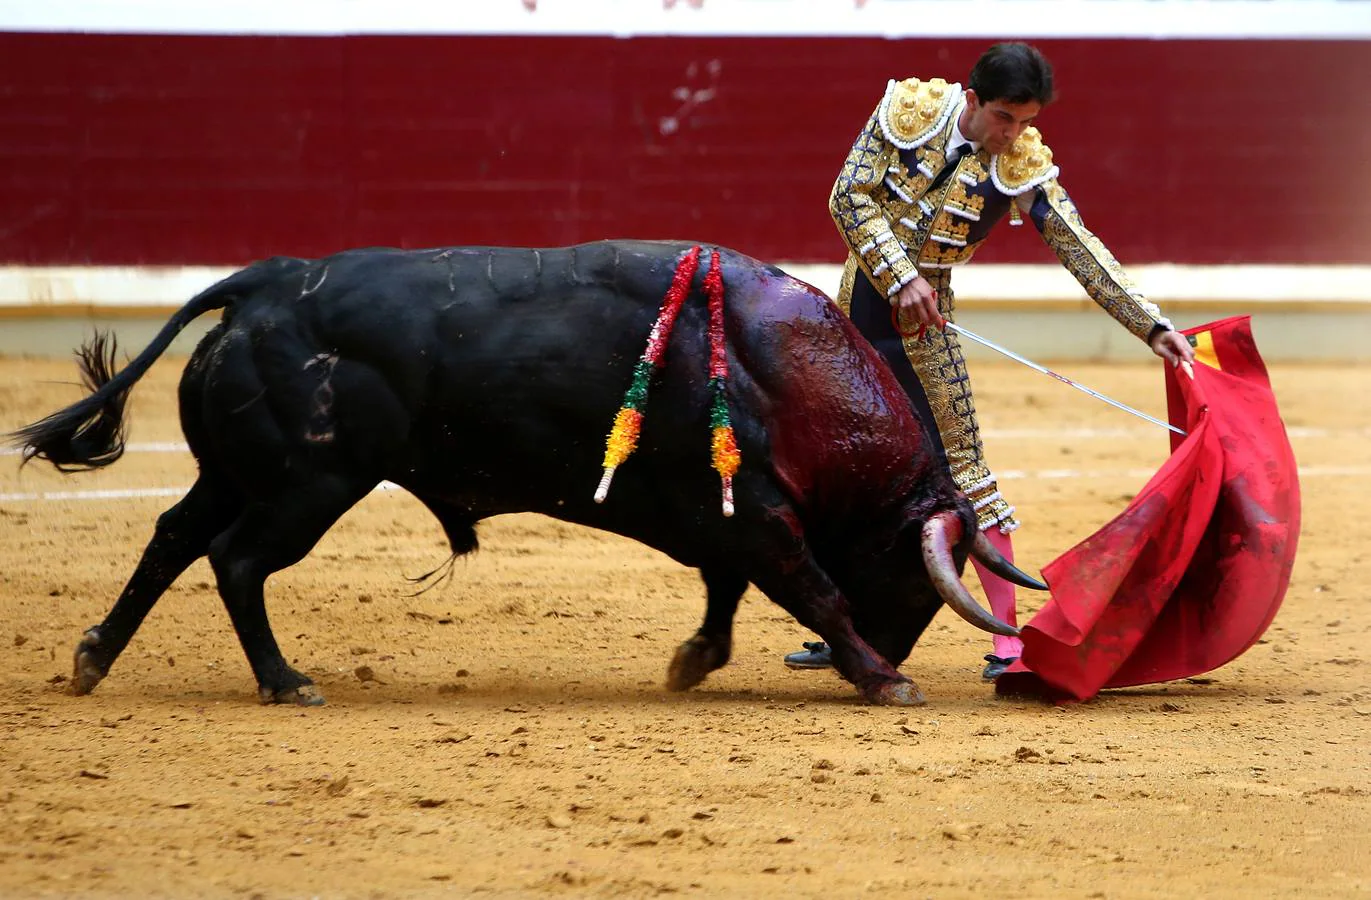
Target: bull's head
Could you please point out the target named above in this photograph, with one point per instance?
(896, 583)
(941, 533)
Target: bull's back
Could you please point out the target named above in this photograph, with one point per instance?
(500, 360)
(489, 361)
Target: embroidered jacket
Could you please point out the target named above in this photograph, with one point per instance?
(896, 227)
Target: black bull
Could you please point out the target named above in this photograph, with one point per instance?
(484, 381)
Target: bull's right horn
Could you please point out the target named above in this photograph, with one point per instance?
(940, 534)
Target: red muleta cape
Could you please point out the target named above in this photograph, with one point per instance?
(1192, 572)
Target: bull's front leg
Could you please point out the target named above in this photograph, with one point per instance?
(823, 610)
(709, 648)
(788, 573)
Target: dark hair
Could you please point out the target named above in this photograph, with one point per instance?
(1014, 73)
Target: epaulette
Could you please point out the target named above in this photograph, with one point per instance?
(912, 111)
(1024, 166)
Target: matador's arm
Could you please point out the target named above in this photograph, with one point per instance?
(1090, 262)
(1028, 168)
(860, 217)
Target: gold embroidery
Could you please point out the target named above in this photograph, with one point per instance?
(1025, 164)
(948, 233)
(941, 368)
(858, 213)
(911, 181)
(949, 230)
(902, 272)
(942, 256)
(914, 110)
(971, 206)
(844, 298)
(932, 158)
(974, 168)
(1091, 263)
(867, 236)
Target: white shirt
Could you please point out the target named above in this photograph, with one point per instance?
(956, 139)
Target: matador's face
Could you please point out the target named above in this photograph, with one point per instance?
(997, 124)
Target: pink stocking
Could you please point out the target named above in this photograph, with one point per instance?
(1000, 593)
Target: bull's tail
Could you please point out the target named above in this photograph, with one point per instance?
(89, 434)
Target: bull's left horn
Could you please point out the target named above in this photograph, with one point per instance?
(982, 549)
(940, 533)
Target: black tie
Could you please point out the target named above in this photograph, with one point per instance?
(951, 166)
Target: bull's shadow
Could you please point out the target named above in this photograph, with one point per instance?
(484, 381)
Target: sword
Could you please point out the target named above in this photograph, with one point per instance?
(1062, 378)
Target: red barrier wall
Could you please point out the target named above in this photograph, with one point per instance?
(121, 149)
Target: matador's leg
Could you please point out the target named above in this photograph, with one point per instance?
(941, 369)
(1000, 594)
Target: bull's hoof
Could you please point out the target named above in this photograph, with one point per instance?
(897, 693)
(694, 660)
(87, 671)
(300, 695)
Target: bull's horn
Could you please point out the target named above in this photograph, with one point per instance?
(982, 549)
(940, 533)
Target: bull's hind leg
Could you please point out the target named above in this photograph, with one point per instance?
(182, 536)
(269, 536)
(709, 648)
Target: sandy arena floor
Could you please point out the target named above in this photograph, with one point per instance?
(508, 735)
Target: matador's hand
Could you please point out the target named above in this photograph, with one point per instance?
(1172, 347)
(918, 302)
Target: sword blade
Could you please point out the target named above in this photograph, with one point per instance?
(1062, 378)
